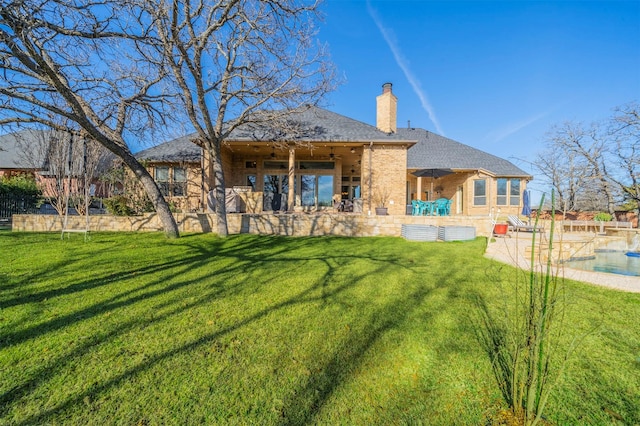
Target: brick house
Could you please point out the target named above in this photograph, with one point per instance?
(30, 152)
(13, 159)
(340, 162)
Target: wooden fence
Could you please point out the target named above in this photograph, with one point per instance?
(593, 225)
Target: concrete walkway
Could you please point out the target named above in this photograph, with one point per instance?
(511, 250)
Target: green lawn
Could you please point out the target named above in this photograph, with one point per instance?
(137, 329)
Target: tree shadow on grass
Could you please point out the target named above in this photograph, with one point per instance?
(303, 297)
(202, 255)
(308, 401)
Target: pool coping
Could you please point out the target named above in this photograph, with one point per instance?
(511, 250)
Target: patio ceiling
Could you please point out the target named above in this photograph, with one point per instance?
(319, 152)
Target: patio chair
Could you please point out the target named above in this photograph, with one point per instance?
(442, 206)
(427, 208)
(520, 225)
(415, 208)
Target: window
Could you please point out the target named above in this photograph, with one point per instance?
(250, 165)
(179, 184)
(317, 165)
(162, 179)
(480, 192)
(514, 199)
(275, 187)
(278, 165)
(316, 190)
(308, 190)
(325, 191)
(502, 192)
(350, 187)
(251, 181)
(171, 180)
(355, 191)
(508, 188)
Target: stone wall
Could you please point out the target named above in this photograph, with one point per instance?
(266, 224)
(384, 178)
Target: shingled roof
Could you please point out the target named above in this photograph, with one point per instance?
(22, 150)
(174, 151)
(313, 124)
(437, 152)
(310, 124)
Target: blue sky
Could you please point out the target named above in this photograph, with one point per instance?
(494, 75)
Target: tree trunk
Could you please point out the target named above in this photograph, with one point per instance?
(611, 205)
(219, 191)
(159, 203)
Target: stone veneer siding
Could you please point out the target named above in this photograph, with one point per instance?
(267, 224)
(388, 177)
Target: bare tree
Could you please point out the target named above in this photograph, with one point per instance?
(83, 62)
(241, 63)
(90, 160)
(625, 130)
(51, 150)
(563, 173)
(71, 165)
(584, 153)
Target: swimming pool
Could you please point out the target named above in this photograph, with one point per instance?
(611, 262)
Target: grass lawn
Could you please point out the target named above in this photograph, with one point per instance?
(137, 329)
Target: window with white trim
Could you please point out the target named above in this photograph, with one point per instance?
(480, 192)
(508, 190)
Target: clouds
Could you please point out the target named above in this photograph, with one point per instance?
(514, 127)
(403, 63)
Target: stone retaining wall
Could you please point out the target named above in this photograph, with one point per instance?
(267, 224)
(564, 250)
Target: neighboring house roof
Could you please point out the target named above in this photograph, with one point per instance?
(310, 124)
(434, 151)
(23, 150)
(30, 150)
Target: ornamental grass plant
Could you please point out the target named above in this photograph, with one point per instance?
(523, 338)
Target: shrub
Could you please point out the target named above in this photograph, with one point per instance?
(23, 185)
(118, 205)
(603, 217)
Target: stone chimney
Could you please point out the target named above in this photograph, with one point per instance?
(386, 110)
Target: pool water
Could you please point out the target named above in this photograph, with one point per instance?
(610, 262)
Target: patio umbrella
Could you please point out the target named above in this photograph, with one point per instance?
(526, 204)
(434, 173)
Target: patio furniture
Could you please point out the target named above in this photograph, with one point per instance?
(442, 207)
(427, 208)
(520, 225)
(415, 208)
(422, 208)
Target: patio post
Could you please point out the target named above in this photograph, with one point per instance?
(292, 181)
